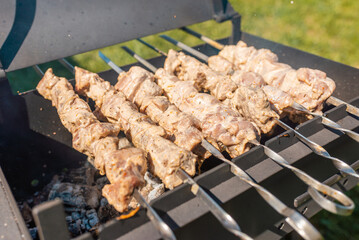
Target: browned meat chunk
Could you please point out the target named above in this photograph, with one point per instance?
(253, 104)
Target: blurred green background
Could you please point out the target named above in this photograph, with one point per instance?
(327, 28)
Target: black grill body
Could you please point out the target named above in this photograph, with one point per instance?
(32, 136)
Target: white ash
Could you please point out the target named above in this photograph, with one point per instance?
(152, 189)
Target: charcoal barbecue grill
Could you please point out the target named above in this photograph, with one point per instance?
(30, 128)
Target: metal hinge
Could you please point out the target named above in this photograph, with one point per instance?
(223, 11)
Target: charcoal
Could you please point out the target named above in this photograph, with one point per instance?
(85, 224)
(75, 215)
(90, 176)
(26, 212)
(74, 228)
(80, 190)
(42, 196)
(103, 202)
(101, 182)
(92, 216)
(68, 219)
(81, 221)
(80, 196)
(33, 232)
(78, 224)
(94, 221)
(90, 213)
(106, 213)
(72, 209)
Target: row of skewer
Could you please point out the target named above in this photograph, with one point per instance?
(174, 164)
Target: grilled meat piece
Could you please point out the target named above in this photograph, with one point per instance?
(220, 64)
(139, 87)
(308, 87)
(249, 79)
(281, 102)
(187, 68)
(165, 157)
(125, 168)
(137, 84)
(218, 121)
(251, 102)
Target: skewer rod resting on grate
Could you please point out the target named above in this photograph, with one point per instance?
(325, 121)
(224, 218)
(319, 150)
(157, 221)
(67, 65)
(345, 205)
(332, 100)
(293, 218)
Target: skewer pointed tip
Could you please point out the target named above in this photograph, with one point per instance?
(152, 47)
(67, 65)
(38, 70)
(146, 63)
(187, 48)
(128, 50)
(110, 63)
(106, 59)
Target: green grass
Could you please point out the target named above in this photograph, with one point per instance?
(335, 227)
(326, 28)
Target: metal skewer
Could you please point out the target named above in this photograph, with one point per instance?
(157, 221)
(38, 70)
(152, 47)
(67, 65)
(316, 148)
(343, 167)
(340, 165)
(224, 218)
(325, 121)
(314, 187)
(350, 108)
(293, 218)
(332, 100)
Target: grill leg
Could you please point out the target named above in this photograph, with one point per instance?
(236, 30)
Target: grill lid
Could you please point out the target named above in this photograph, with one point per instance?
(34, 32)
